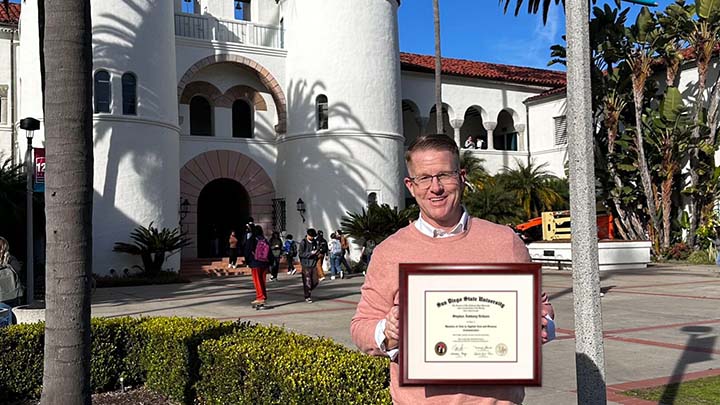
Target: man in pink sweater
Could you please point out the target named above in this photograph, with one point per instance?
(444, 233)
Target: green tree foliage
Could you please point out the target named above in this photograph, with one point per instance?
(376, 223)
(152, 245)
(12, 192)
(532, 187)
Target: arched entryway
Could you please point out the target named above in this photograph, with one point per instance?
(228, 175)
(223, 206)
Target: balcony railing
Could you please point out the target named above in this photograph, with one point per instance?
(209, 28)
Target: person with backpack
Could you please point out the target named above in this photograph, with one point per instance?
(258, 257)
(276, 248)
(335, 254)
(290, 251)
(322, 252)
(308, 253)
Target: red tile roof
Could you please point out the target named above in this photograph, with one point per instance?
(11, 15)
(546, 94)
(483, 70)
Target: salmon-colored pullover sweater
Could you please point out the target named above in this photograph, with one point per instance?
(482, 242)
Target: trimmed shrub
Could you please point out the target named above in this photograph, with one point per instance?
(170, 354)
(21, 361)
(700, 257)
(116, 345)
(266, 365)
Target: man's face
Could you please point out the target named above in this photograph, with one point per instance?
(440, 203)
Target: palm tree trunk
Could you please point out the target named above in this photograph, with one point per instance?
(640, 63)
(69, 190)
(439, 115)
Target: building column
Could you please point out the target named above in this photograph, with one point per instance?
(520, 128)
(457, 123)
(422, 123)
(490, 127)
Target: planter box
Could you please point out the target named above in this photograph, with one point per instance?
(613, 255)
(30, 313)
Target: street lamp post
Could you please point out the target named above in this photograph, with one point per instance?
(30, 125)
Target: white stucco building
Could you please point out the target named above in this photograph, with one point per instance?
(242, 108)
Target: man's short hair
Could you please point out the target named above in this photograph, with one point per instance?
(439, 142)
(311, 232)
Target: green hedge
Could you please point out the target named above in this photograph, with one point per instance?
(266, 365)
(204, 361)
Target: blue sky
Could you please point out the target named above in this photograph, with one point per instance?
(478, 30)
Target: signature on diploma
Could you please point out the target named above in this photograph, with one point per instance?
(458, 350)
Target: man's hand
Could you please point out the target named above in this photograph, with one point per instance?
(392, 328)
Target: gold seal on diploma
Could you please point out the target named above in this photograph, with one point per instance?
(440, 349)
(501, 349)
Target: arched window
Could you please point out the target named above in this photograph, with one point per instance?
(200, 116)
(321, 103)
(103, 93)
(129, 94)
(242, 119)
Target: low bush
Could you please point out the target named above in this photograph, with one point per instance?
(204, 361)
(266, 365)
(170, 357)
(700, 257)
(163, 277)
(21, 361)
(678, 251)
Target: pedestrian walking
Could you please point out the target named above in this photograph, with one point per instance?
(290, 251)
(257, 257)
(345, 245)
(276, 247)
(232, 250)
(335, 254)
(308, 253)
(322, 252)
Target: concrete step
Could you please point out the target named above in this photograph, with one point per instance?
(218, 267)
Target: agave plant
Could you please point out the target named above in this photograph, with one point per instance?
(377, 223)
(152, 245)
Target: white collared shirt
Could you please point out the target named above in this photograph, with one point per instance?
(426, 229)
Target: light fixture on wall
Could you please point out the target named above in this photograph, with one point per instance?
(184, 209)
(301, 208)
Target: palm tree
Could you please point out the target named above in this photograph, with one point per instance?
(67, 72)
(703, 38)
(530, 184)
(640, 59)
(439, 116)
(533, 6)
(476, 173)
(493, 202)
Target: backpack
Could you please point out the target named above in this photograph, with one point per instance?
(335, 247)
(262, 250)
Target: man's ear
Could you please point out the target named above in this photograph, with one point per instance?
(408, 184)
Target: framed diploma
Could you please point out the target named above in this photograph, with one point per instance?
(470, 324)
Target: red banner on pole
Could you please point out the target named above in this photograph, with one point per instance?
(39, 169)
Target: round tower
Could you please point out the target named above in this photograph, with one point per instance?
(344, 139)
(136, 135)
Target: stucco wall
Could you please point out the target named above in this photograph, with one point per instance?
(333, 170)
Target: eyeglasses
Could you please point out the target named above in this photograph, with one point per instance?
(444, 178)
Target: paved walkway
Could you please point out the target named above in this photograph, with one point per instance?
(661, 324)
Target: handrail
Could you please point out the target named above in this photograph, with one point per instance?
(209, 28)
